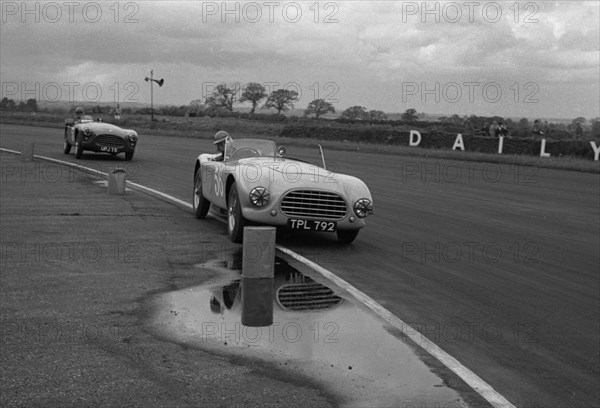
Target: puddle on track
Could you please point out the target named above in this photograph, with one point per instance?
(317, 330)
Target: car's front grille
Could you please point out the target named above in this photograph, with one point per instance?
(109, 140)
(314, 204)
(306, 296)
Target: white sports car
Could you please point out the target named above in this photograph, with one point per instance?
(255, 183)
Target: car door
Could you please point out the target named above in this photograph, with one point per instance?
(213, 182)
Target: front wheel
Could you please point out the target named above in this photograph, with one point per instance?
(128, 155)
(78, 149)
(347, 236)
(201, 204)
(235, 219)
(66, 146)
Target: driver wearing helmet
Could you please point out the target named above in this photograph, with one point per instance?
(78, 113)
(220, 138)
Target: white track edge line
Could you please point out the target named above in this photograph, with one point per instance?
(469, 377)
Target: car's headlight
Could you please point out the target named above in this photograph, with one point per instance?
(133, 137)
(363, 207)
(259, 196)
(87, 132)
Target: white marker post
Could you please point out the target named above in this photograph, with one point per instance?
(543, 149)
(258, 272)
(27, 152)
(116, 181)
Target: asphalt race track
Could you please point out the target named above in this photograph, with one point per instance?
(497, 264)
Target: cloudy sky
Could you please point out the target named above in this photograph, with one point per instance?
(519, 59)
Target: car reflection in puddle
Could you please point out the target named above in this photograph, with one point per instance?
(316, 330)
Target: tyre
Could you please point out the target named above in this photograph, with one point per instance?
(66, 146)
(347, 236)
(235, 219)
(128, 155)
(78, 149)
(201, 204)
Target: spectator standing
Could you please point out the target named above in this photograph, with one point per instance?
(494, 129)
(537, 128)
(578, 131)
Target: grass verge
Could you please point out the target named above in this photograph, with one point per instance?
(205, 128)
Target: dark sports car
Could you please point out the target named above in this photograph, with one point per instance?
(85, 134)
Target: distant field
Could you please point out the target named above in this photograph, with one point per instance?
(205, 128)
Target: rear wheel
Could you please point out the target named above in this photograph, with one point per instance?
(347, 236)
(201, 204)
(235, 219)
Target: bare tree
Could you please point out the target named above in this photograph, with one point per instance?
(523, 123)
(410, 115)
(355, 112)
(319, 107)
(377, 115)
(196, 106)
(281, 99)
(31, 105)
(222, 97)
(254, 93)
(7, 104)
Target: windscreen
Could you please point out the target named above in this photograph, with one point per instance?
(237, 149)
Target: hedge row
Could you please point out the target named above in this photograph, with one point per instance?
(437, 139)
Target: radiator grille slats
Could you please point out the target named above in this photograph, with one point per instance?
(109, 140)
(314, 204)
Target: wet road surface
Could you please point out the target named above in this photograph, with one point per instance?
(497, 264)
(314, 331)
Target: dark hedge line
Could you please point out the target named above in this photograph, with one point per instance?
(438, 139)
(262, 117)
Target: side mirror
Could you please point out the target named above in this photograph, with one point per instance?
(281, 150)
